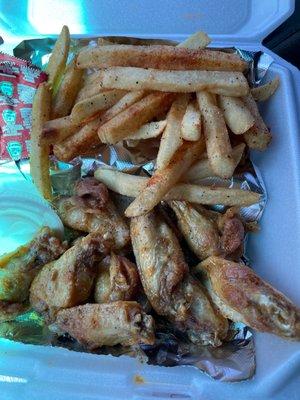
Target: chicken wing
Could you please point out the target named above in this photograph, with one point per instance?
(68, 281)
(17, 270)
(160, 263)
(204, 324)
(90, 210)
(206, 236)
(96, 325)
(172, 292)
(117, 279)
(200, 232)
(242, 296)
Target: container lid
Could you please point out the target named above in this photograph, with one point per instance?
(22, 210)
(225, 20)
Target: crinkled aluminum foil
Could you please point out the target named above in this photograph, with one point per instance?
(233, 361)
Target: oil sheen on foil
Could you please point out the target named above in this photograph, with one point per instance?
(234, 360)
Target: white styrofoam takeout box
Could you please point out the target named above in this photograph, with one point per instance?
(35, 372)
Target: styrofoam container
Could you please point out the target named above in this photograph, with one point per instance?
(35, 372)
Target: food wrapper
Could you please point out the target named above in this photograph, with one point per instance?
(19, 80)
(234, 360)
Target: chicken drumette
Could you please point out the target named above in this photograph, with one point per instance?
(68, 281)
(90, 210)
(208, 233)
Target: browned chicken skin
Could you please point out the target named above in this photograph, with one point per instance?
(172, 292)
(117, 279)
(160, 263)
(91, 210)
(68, 281)
(17, 273)
(206, 236)
(96, 325)
(244, 297)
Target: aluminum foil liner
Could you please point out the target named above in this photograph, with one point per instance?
(233, 361)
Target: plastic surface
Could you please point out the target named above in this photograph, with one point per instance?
(230, 20)
(32, 372)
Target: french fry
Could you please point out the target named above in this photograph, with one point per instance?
(91, 107)
(148, 131)
(134, 117)
(71, 147)
(90, 87)
(258, 136)
(39, 154)
(171, 139)
(87, 135)
(58, 58)
(263, 92)
(191, 123)
(132, 186)
(237, 116)
(163, 179)
(219, 82)
(202, 169)
(67, 91)
(57, 130)
(198, 40)
(219, 151)
(159, 57)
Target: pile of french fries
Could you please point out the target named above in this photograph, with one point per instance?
(191, 99)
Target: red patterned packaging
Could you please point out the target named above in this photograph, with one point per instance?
(18, 82)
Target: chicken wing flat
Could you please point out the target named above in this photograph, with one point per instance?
(96, 325)
(208, 236)
(18, 269)
(90, 210)
(160, 263)
(68, 281)
(172, 292)
(242, 296)
(200, 232)
(117, 279)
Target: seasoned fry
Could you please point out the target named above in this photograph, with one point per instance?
(191, 123)
(90, 87)
(57, 130)
(134, 117)
(159, 57)
(39, 154)
(129, 78)
(212, 195)
(67, 91)
(202, 169)
(89, 108)
(263, 92)
(87, 137)
(236, 114)
(148, 131)
(219, 151)
(258, 136)
(162, 180)
(132, 186)
(198, 40)
(73, 145)
(171, 139)
(58, 58)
